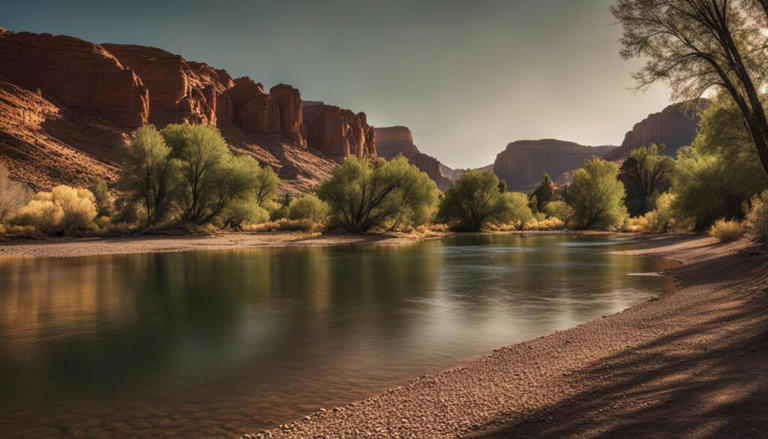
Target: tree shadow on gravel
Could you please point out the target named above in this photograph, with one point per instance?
(674, 386)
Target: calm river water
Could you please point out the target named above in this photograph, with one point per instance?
(225, 342)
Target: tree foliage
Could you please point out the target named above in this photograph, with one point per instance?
(364, 194)
(308, 207)
(475, 200)
(695, 45)
(646, 174)
(63, 210)
(597, 196)
(544, 193)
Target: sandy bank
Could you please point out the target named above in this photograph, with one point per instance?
(693, 363)
(69, 247)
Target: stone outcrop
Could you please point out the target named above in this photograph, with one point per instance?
(398, 140)
(180, 91)
(673, 127)
(522, 164)
(253, 109)
(288, 101)
(338, 132)
(75, 73)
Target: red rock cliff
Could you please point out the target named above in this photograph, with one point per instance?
(75, 73)
(673, 127)
(337, 132)
(523, 163)
(398, 140)
(179, 91)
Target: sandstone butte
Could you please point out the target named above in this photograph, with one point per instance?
(398, 140)
(68, 105)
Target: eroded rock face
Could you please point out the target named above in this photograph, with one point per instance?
(523, 163)
(253, 109)
(398, 140)
(288, 101)
(179, 90)
(337, 132)
(75, 73)
(673, 127)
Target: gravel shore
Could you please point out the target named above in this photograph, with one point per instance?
(72, 247)
(693, 363)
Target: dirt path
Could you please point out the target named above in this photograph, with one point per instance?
(693, 363)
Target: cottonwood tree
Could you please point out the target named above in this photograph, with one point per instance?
(646, 174)
(597, 196)
(695, 45)
(477, 199)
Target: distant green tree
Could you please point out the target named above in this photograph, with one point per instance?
(544, 193)
(474, 201)
(266, 186)
(646, 174)
(363, 194)
(597, 196)
(101, 197)
(558, 209)
(146, 176)
(520, 212)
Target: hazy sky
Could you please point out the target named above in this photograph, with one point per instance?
(467, 77)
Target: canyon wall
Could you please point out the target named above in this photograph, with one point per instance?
(90, 97)
(398, 140)
(673, 127)
(523, 163)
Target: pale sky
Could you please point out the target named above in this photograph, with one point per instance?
(467, 77)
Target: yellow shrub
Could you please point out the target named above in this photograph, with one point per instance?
(757, 219)
(287, 225)
(103, 222)
(727, 230)
(551, 223)
(63, 210)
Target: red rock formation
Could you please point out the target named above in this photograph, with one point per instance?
(523, 163)
(337, 132)
(253, 109)
(288, 101)
(76, 73)
(179, 90)
(394, 141)
(673, 127)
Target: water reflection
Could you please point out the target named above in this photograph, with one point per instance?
(231, 341)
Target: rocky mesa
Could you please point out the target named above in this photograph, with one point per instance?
(68, 105)
(522, 164)
(398, 140)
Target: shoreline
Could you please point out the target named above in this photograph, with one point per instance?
(66, 247)
(693, 362)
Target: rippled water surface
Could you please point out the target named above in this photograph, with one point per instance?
(224, 342)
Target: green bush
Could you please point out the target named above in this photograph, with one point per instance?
(558, 209)
(308, 207)
(475, 201)
(101, 197)
(597, 196)
(727, 230)
(544, 193)
(13, 195)
(757, 219)
(519, 213)
(364, 194)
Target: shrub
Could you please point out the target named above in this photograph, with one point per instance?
(308, 207)
(558, 209)
(363, 194)
(519, 213)
(551, 223)
(596, 196)
(13, 195)
(757, 219)
(544, 193)
(63, 210)
(287, 225)
(727, 230)
(237, 215)
(101, 197)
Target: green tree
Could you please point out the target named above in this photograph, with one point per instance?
(544, 193)
(597, 196)
(520, 212)
(558, 209)
(694, 45)
(363, 194)
(266, 186)
(646, 174)
(146, 175)
(718, 175)
(101, 197)
(474, 201)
